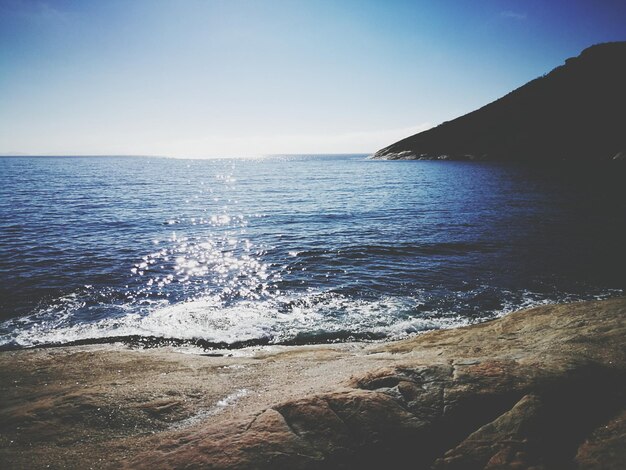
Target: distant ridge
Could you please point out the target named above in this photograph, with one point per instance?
(577, 112)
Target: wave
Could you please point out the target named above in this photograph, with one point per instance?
(315, 317)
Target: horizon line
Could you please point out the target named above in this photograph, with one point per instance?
(207, 157)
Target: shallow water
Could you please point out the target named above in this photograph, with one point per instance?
(295, 248)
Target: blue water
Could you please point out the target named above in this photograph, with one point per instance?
(295, 249)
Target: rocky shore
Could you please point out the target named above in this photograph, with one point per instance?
(542, 388)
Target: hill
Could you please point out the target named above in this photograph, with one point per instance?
(573, 113)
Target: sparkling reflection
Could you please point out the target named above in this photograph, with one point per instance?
(207, 254)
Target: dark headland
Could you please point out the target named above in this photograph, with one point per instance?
(543, 388)
(573, 113)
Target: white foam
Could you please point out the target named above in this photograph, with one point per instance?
(277, 320)
(210, 319)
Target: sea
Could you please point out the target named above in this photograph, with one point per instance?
(294, 249)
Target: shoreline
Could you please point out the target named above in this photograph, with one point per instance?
(216, 347)
(108, 405)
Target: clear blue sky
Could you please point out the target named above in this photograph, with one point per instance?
(210, 77)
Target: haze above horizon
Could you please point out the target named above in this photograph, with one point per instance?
(241, 78)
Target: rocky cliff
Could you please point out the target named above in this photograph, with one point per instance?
(573, 113)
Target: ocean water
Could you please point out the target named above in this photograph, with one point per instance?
(294, 249)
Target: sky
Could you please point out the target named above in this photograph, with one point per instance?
(204, 78)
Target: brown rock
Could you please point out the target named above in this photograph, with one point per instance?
(538, 389)
(604, 448)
